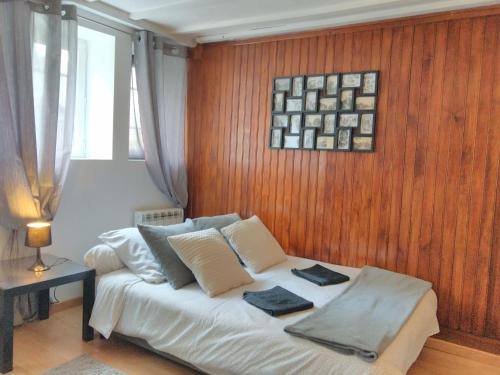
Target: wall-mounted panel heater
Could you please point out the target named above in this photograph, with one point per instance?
(165, 216)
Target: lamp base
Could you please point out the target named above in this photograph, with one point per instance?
(38, 266)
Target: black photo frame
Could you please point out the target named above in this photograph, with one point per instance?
(320, 142)
(272, 141)
(332, 84)
(341, 146)
(295, 123)
(339, 107)
(298, 88)
(363, 143)
(280, 120)
(294, 99)
(322, 105)
(279, 83)
(311, 82)
(314, 107)
(274, 107)
(368, 78)
(289, 137)
(309, 138)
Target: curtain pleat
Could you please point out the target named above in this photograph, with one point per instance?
(161, 87)
(37, 98)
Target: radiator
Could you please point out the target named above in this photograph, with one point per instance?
(165, 216)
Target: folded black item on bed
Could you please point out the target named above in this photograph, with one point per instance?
(320, 275)
(277, 301)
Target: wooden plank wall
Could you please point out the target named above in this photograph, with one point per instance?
(426, 203)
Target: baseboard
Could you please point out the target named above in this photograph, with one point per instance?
(484, 344)
(463, 351)
(64, 305)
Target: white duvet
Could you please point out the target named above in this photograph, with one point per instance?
(225, 335)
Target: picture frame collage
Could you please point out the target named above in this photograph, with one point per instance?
(331, 112)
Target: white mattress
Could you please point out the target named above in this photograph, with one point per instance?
(225, 335)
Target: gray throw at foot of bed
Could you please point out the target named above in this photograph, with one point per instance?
(320, 275)
(277, 301)
(367, 316)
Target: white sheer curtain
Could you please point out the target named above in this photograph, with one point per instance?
(161, 85)
(37, 92)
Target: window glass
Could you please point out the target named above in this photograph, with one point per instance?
(93, 128)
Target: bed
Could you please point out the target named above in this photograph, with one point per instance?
(225, 335)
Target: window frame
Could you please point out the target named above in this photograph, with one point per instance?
(122, 73)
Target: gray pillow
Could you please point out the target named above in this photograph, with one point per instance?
(217, 222)
(178, 275)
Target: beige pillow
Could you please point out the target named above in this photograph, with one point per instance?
(213, 263)
(255, 245)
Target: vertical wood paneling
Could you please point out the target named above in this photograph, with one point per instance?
(425, 203)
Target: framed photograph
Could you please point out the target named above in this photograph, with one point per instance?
(309, 138)
(347, 100)
(332, 84)
(329, 123)
(292, 141)
(280, 121)
(367, 123)
(315, 82)
(324, 142)
(365, 103)
(311, 101)
(362, 143)
(294, 104)
(295, 123)
(298, 86)
(349, 120)
(313, 120)
(328, 103)
(370, 83)
(344, 140)
(351, 80)
(276, 138)
(279, 101)
(282, 84)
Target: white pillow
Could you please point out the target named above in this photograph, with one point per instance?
(103, 259)
(213, 263)
(255, 245)
(134, 253)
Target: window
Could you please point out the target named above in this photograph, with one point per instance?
(135, 143)
(93, 128)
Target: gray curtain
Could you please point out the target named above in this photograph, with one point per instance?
(161, 86)
(37, 94)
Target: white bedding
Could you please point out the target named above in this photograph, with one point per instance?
(225, 335)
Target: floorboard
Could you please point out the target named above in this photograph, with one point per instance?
(42, 345)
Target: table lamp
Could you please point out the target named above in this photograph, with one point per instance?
(38, 235)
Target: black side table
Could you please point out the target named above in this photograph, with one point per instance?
(15, 280)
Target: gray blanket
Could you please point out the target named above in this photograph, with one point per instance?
(367, 316)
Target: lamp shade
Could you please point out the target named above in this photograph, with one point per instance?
(38, 235)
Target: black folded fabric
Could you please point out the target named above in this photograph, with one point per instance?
(277, 301)
(320, 275)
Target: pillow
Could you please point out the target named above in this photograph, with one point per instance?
(176, 272)
(255, 245)
(217, 222)
(103, 259)
(213, 263)
(134, 253)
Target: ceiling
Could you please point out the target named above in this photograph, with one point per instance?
(203, 21)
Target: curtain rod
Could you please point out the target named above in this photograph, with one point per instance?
(119, 17)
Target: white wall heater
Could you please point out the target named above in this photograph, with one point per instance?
(165, 216)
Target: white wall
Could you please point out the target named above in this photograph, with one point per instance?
(100, 195)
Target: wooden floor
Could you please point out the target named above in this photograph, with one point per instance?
(46, 344)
